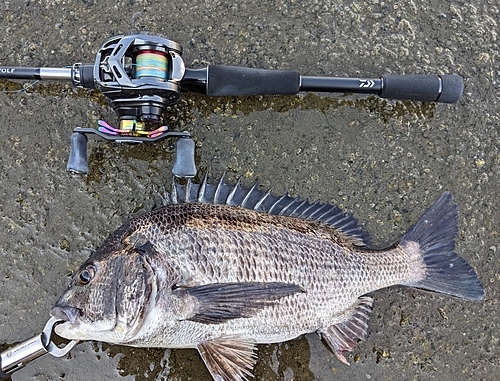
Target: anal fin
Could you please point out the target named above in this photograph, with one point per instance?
(228, 358)
(342, 336)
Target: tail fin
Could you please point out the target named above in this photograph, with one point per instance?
(445, 271)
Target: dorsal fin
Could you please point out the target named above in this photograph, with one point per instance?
(255, 199)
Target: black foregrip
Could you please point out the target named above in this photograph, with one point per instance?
(234, 80)
(425, 88)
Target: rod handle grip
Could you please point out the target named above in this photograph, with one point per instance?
(238, 81)
(425, 88)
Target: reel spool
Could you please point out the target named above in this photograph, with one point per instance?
(141, 75)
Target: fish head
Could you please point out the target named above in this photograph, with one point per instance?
(109, 297)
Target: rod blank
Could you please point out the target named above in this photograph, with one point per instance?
(35, 73)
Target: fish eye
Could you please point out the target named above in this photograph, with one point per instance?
(86, 275)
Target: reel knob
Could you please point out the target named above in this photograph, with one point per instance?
(77, 161)
(184, 165)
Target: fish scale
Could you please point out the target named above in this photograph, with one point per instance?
(221, 268)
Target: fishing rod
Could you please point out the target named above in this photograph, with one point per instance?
(142, 74)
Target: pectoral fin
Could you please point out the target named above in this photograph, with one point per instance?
(219, 302)
(228, 358)
(342, 336)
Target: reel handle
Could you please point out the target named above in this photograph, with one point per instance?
(184, 163)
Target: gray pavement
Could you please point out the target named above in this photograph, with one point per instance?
(384, 161)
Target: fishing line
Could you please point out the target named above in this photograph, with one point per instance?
(21, 90)
(151, 63)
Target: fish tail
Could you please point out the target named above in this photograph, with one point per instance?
(443, 270)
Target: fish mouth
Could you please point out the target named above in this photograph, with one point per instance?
(66, 313)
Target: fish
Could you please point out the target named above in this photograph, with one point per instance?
(221, 268)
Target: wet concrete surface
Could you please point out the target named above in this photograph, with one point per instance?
(384, 161)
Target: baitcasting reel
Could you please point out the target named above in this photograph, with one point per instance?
(142, 74)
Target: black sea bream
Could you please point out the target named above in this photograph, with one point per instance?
(221, 269)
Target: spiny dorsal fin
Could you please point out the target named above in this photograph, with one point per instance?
(228, 358)
(255, 199)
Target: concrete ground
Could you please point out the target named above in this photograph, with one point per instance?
(384, 161)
